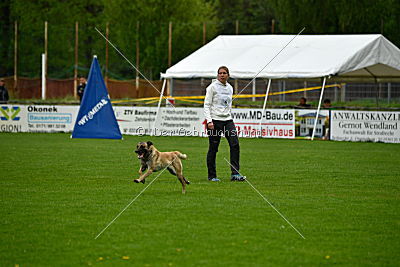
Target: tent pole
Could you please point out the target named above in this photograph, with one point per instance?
(264, 105)
(319, 107)
(153, 129)
(171, 87)
(254, 90)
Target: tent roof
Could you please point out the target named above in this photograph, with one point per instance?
(307, 56)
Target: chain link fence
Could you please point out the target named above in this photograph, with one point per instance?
(30, 88)
(339, 92)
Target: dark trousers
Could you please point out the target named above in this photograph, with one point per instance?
(214, 137)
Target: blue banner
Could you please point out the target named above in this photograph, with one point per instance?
(96, 118)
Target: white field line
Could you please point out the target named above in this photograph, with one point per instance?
(133, 200)
(119, 52)
(268, 202)
(267, 64)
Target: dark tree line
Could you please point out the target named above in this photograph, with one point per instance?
(147, 22)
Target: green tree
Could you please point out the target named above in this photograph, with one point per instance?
(187, 16)
(6, 42)
(339, 17)
(61, 17)
(187, 19)
(254, 17)
(122, 15)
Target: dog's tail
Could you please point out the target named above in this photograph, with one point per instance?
(180, 155)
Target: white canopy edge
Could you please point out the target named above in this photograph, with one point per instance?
(343, 57)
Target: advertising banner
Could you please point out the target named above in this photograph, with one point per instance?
(37, 118)
(190, 122)
(170, 122)
(305, 120)
(375, 126)
(10, 118)
(135, 120)
(275, 123)
(180, 122)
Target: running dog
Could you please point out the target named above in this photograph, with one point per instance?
(153, 160)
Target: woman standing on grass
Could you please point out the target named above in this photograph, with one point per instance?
(217, 110)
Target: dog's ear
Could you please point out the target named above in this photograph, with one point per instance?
(149, 143)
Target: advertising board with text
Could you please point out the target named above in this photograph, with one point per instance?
(375, 126)
(170, 121)
(37, 118)
(275, 123)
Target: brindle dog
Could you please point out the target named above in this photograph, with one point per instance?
(153, 160)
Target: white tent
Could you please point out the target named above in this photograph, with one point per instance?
(308, 56)
(369, 57)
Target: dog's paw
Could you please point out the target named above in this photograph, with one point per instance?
(136, 181)
(143, 181)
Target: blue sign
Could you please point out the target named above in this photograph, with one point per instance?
(96, 118)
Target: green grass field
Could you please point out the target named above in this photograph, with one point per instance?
(58, 193)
